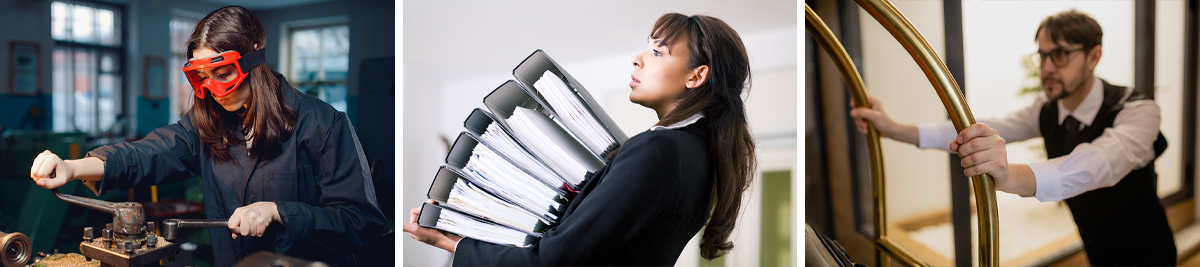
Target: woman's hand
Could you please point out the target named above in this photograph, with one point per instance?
(253, 219)
(433, 237)
(50, 171)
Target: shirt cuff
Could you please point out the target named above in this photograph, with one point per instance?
(929, 135)
(1049, 181)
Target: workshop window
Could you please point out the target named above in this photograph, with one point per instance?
(320, 62)
(87, 67)
(181, 90)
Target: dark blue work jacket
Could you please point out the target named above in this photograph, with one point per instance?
(640, 209)
(320, 183)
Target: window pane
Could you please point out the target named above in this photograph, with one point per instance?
(181, 30)
(82, 26)
(336, 68)
(322, 55)
(107, 63)
(62, 89)
(180, 91)
(104, 26)
(309, 68)
(335, 95)
(84, 105)
(335, 51)
(305, 55)
(106, 101)
(86, 82)
(179, 36)
(58, 20)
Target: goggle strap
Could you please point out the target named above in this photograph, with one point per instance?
(252, 59)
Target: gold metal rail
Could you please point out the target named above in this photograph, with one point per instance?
(952, 99)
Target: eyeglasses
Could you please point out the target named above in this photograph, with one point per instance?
(1058, 56)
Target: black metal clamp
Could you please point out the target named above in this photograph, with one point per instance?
(171, 226)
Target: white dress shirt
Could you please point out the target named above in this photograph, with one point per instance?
(680, 124)
(1126, 146)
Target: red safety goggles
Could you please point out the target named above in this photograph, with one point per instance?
(220, 74)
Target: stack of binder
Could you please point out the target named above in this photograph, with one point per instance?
(505, 178)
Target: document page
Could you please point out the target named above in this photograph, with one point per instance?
(573, 113)
(553, 144)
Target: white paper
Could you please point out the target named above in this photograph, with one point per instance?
(573, 114)
(470, 198)
(509, 182)
(488, 232)
(553, 144)
(501, 141)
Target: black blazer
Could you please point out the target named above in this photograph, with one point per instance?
(320, 183)
(640, 209)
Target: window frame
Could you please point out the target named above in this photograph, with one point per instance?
(286, 30)
(97, 50)
(174, 64)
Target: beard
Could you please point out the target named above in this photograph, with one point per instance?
(1054, 94)
(1064, 89)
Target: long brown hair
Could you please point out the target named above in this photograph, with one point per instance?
(267, 121)
(730, 144)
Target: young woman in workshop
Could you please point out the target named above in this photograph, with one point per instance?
(660, 186)
(284, 168)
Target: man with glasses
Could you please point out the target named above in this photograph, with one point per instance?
(1101, 139)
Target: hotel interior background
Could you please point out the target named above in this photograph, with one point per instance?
(90, 73)
(996, 38)
(455, 52)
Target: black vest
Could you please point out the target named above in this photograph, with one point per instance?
(1124, 224)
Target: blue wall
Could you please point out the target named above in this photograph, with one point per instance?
(15, 109)
(152, 114)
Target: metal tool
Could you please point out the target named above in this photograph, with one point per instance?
(268, 259)
(128, 241)
(171, 226)
(16, 249)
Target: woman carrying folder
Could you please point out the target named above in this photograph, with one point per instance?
(658, 189)
(284, 168)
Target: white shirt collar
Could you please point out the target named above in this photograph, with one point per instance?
(1087, 110)
(683, 123)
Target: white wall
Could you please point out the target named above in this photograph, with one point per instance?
(1168, 89)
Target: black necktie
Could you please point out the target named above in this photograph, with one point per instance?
(1072, 127)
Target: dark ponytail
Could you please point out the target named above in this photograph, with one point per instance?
(730, 144)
